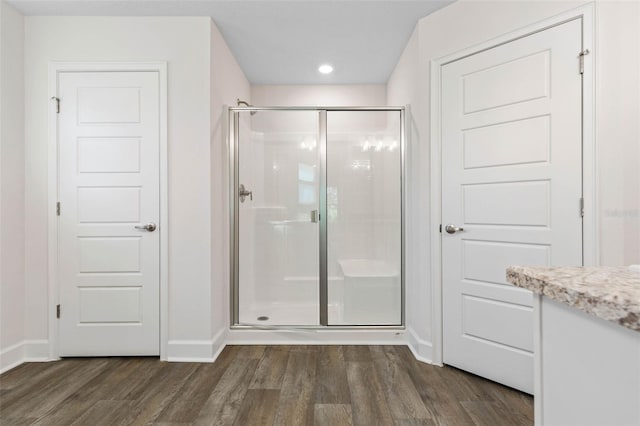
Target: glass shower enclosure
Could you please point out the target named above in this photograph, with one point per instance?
(316, 217)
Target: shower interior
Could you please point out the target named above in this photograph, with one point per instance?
(316, 223)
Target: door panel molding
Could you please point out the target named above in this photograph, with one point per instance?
(55, 69)
(590, 230)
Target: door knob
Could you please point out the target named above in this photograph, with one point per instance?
(452, 229)
(149, 227)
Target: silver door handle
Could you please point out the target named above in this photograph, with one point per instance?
(452, 229)
(243, 193)
(149, 227)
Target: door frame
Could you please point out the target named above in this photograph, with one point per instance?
(55, 69)
(589, 172)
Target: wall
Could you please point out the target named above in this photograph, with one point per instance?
(467, 23)
(190, 45)
(185, 44)
(319, 95)
(228, 83)
(618, 132)
(402, 88)
(11, 188)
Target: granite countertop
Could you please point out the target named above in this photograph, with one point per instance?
(610, 293)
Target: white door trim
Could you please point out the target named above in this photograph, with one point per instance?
(590, 230)
(55, 68)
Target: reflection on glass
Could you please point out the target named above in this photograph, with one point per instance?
(306, 186)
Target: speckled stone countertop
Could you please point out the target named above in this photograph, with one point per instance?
(612, 294)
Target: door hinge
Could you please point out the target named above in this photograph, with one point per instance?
(57, 311)
(581, 55)
(440, 229)
(58, 208)
(53, 98)
(581, 206)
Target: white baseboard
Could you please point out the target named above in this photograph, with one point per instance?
(219, 341)
(422, 350)
(196, 350)
(190, 351)
(36, 350)
(11, 357)
(25, 351)
(209, 350)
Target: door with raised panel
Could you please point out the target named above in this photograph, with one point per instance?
(108, 143)
(511, 188)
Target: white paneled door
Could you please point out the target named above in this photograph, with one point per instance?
(108, 141)
(511, 188)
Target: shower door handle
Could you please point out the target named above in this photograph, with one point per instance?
(315, 216)
(243, 193)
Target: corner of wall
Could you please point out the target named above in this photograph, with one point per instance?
(12, 170)
(228, 83)
(11, 357)
(406, 86)
(196, 350)
(24, 351)
(421, 349)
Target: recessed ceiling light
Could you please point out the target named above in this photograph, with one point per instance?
(325, 69)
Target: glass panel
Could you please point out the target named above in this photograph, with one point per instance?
(364, 218)
(278, 242)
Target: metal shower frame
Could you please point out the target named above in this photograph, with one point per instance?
(234, 246)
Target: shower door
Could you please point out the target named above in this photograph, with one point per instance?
(317, 217)
(277, 203)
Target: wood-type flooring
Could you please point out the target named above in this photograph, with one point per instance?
(259, 385)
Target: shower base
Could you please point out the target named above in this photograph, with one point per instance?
(276, 314)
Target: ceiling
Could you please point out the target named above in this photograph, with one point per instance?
(284, 42)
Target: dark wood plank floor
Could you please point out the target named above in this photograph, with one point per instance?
(259, 385)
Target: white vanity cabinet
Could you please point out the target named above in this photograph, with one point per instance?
(586, 344)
